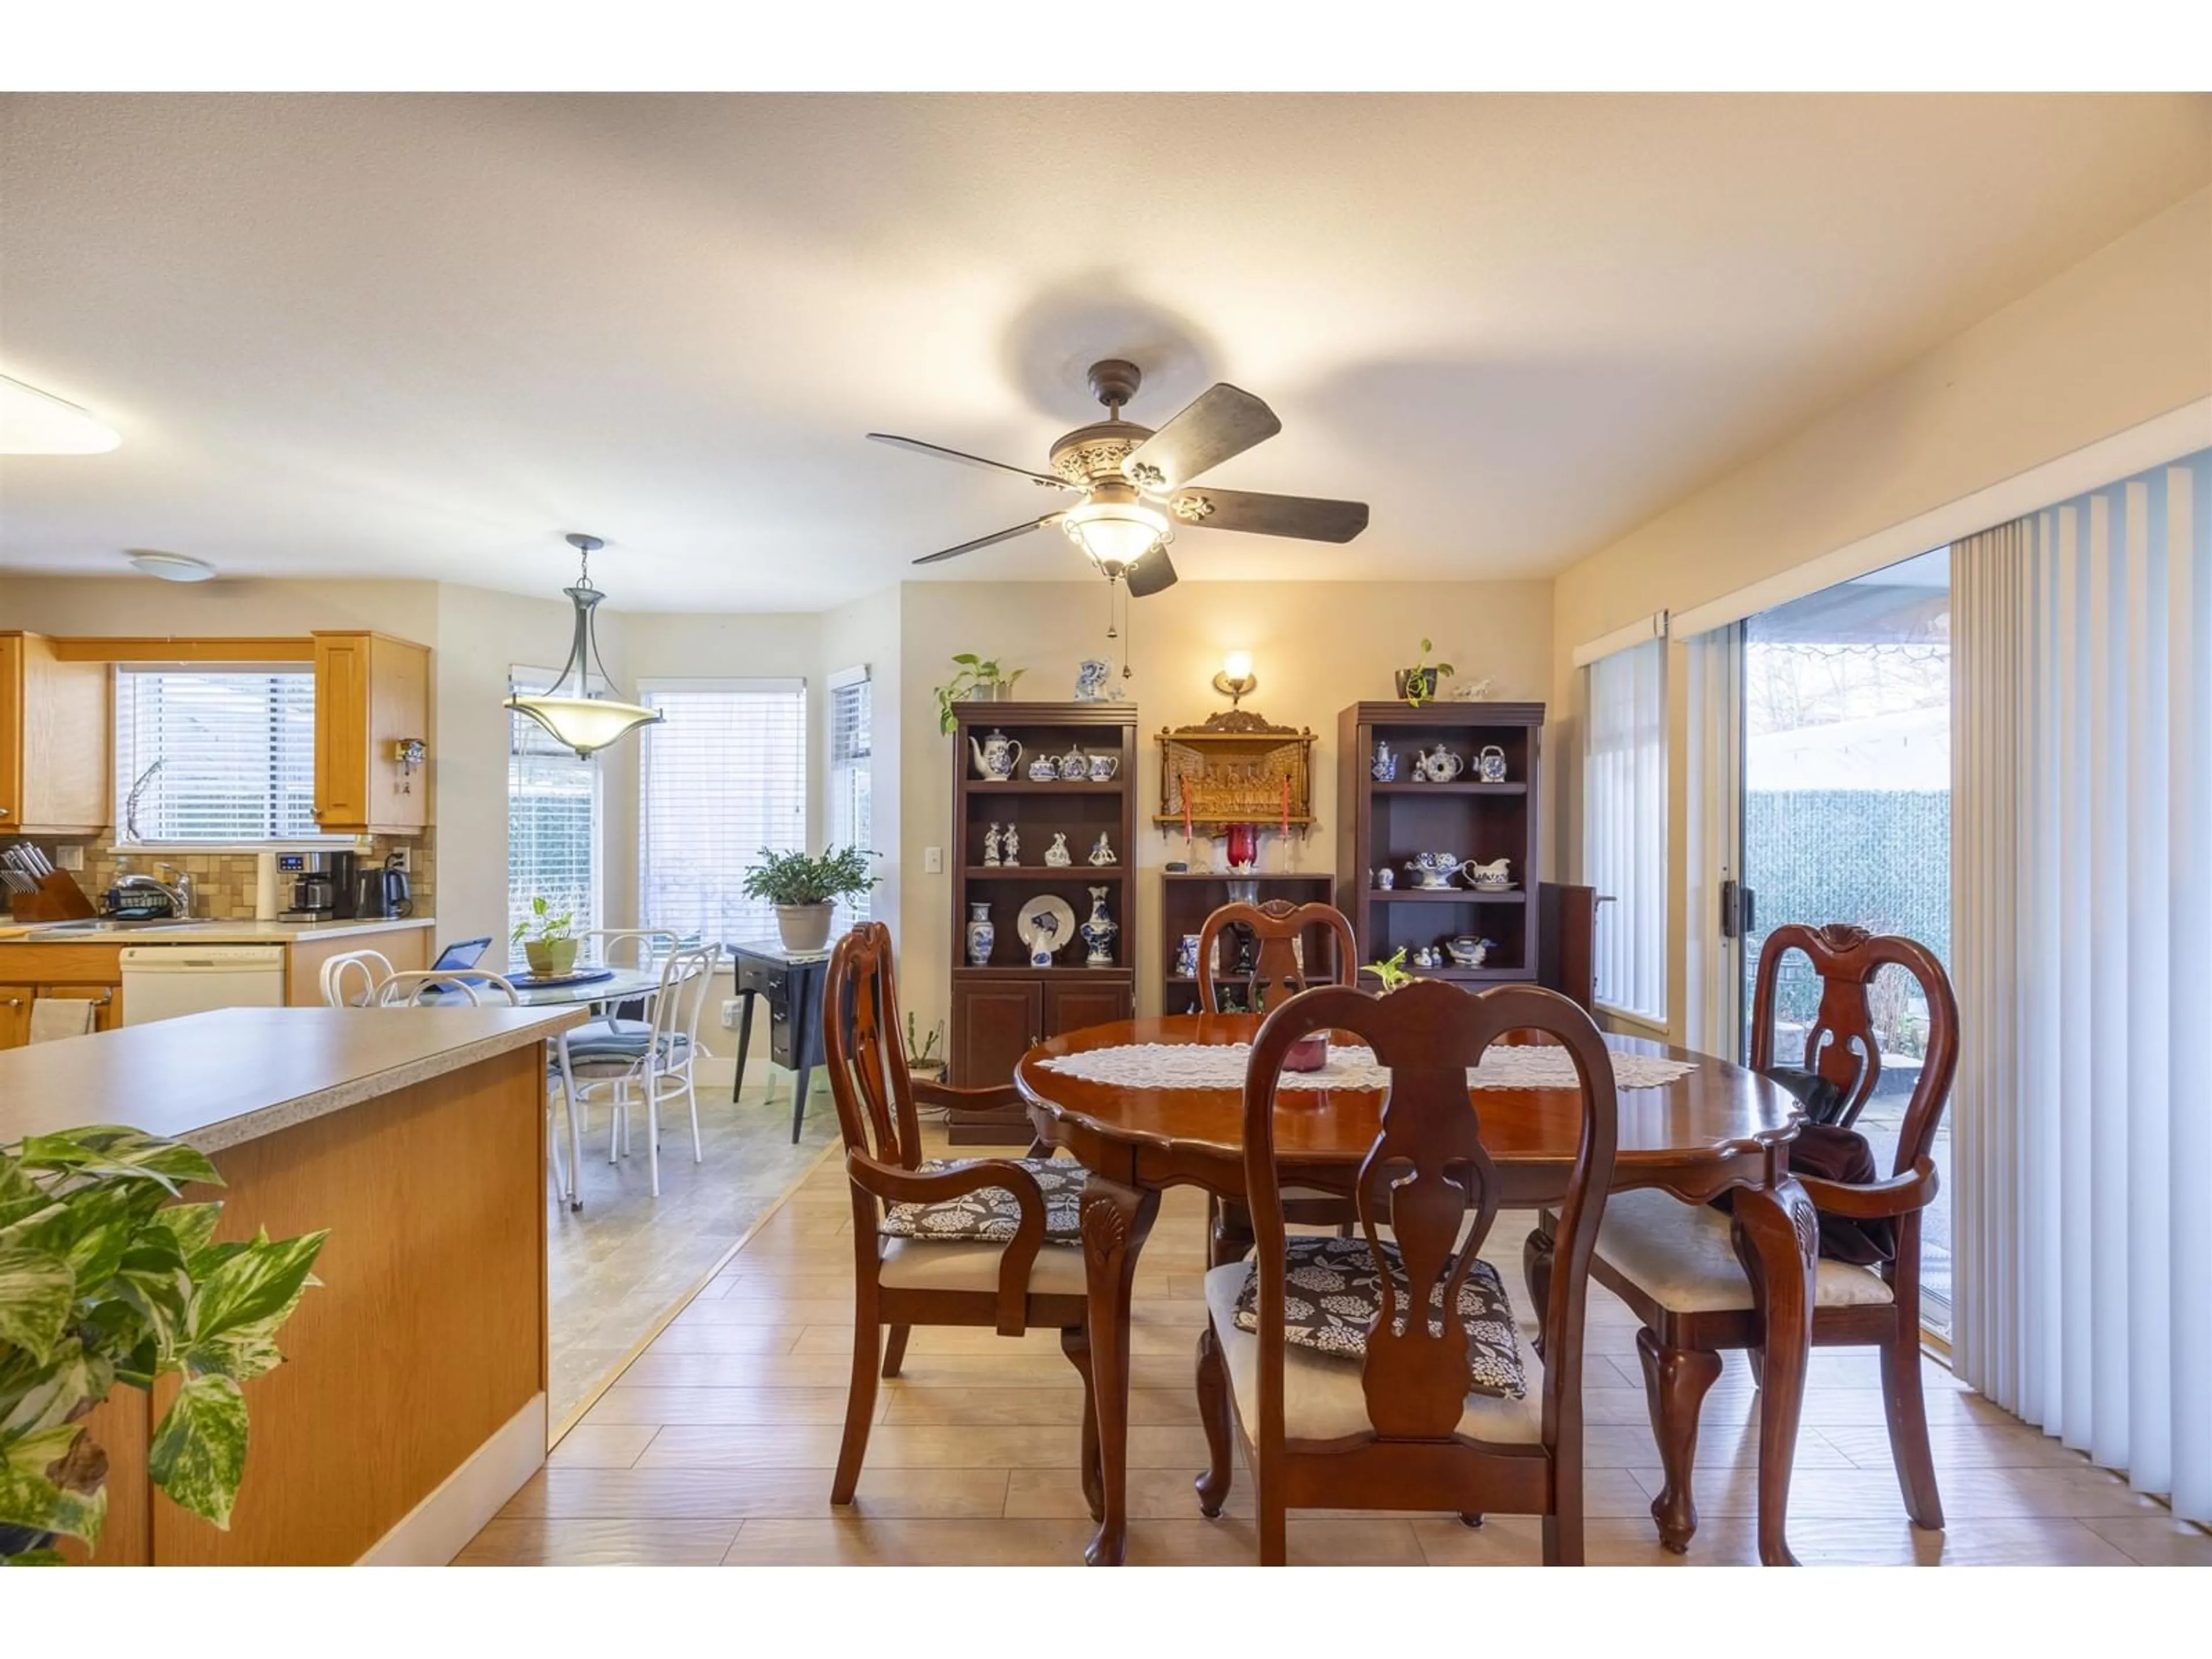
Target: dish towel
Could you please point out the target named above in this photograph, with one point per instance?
(55, 1018)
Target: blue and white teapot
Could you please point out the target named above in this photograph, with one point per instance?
(996, 755)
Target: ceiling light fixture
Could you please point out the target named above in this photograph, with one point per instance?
(171, 567)
(583, 720)
(35, 422)
(1115, 528)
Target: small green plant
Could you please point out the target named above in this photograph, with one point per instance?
(1391, 972)
(790, 879)
(104, 1279)
(970, 673)
(924, 1048)
(544, 924)
(1418, 684)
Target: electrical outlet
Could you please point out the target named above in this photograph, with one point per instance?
(730, 1008)
(932, 860)
(403, 860)
(68, 857)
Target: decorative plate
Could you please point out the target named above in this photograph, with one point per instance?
(1046, 904)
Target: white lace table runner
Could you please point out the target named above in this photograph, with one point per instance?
(1221, 1066)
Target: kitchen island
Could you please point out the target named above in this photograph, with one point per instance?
(411, 1403)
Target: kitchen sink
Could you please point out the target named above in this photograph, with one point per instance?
(106, 925)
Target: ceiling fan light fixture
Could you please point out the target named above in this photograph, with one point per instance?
(578, 717)
(1114, 528)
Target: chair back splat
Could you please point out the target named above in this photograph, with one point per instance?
(1276, 924)
(865, 1055)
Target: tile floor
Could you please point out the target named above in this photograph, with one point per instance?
(717, 1444)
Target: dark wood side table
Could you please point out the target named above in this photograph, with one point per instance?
(790, 983)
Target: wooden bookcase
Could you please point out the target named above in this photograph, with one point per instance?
(1002, 1009)
(1387, 824)
(1187, 899)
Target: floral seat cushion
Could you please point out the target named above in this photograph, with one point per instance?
(990, 1215)
(1331, 1294)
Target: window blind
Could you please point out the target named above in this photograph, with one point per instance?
(552, 816)
(215, 755)
(723, 776)
(1624, 826)
(851, 777)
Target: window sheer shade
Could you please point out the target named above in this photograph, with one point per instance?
(552, 816)
(1624, 826)
(235, 752)
(723, 776)
(851, 768)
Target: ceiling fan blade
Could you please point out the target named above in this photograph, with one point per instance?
(985, 541)
(1307, 517)
(1150, 574)
(921, 448)
(1220, 422)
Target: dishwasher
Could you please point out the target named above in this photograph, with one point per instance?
(162, 981)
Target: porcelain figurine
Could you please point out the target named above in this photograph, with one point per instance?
(1474, 690)
(1499, 873)
(1044, 939)
(1432, 871)
(1102, 854)
(981, 935)
(991, 847)
(1090, 679)
(1098, 932)
(1075, 765)
(996, 755)
(1044, 770)
(1104, 767)
(1425, 956)
(1437, 765)
(1384, 768)
(1490, 764)
(1057, 854)
(1384, 879)
(1010, 845)
(1469, 951)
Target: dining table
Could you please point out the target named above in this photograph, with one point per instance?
(1714, 1128)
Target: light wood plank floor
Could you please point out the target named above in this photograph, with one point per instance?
(717, 1444)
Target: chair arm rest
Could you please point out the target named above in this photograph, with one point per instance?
(895, 1184)
(1004, 1096)
(1898, 1195)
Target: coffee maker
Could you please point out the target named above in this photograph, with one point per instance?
(322, 885)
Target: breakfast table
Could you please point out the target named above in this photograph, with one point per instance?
(1141, 1118)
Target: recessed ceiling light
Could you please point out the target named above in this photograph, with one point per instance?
(35, 422)
(171, 567)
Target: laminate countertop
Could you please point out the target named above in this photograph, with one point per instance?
(205, 931)
(219, 1079)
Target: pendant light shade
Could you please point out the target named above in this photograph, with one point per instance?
(578, 717)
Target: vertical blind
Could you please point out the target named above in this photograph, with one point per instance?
(851, 817)
(723, 776)
(1624, 826)
(552, 816)
(215, 755)
(2081, 853)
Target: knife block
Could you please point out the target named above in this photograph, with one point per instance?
(58, 899)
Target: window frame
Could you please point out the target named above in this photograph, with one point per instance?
(123, 842)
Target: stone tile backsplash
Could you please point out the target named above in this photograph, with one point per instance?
(224, 882)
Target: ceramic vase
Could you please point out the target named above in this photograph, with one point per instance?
(1098, 932)
(981, 935)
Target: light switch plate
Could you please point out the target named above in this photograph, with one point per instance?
(932, 860)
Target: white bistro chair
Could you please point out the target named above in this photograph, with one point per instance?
(653, 1055)
(352, 981)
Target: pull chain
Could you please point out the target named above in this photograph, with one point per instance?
(1130, 626)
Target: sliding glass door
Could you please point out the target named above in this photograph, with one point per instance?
(1846, 818)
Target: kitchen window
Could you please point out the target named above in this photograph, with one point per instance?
(215, 757)
(720, 777)
(552, 816)
(852, 821)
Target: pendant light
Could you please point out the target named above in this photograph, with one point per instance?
(583, 720)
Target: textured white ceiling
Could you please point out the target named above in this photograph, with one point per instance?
(422, 335)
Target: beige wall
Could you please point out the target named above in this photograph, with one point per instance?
(1315, 646)
(2120, 338)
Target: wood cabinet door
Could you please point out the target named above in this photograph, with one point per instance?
(341, 730)
(15, 1015)
(1070, 1007)
(994, 1024)
(12, 732)
(399, 707)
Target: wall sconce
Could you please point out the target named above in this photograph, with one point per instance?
(1236, 681)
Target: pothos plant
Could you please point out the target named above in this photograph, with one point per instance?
(544, 924)
(105, 1279)
(1418, 684)
(970, 674)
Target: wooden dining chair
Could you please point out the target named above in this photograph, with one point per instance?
(1684, 1271)
(988, 1242)
(1345, 1399)
(1276, 925)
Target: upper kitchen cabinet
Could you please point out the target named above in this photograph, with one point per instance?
(54, 741)
(372, 703)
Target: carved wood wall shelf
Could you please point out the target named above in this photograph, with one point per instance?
(1235, 770)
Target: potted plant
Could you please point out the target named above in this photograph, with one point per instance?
(103, 1280)
(1418, 684)
(924, 1052)
(1391, 972)
(804, 888)
(546, 938)
(974, 679)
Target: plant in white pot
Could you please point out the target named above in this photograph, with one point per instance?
(805, 889)
(547, 939)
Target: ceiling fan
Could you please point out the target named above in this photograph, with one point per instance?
(1137, 483)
